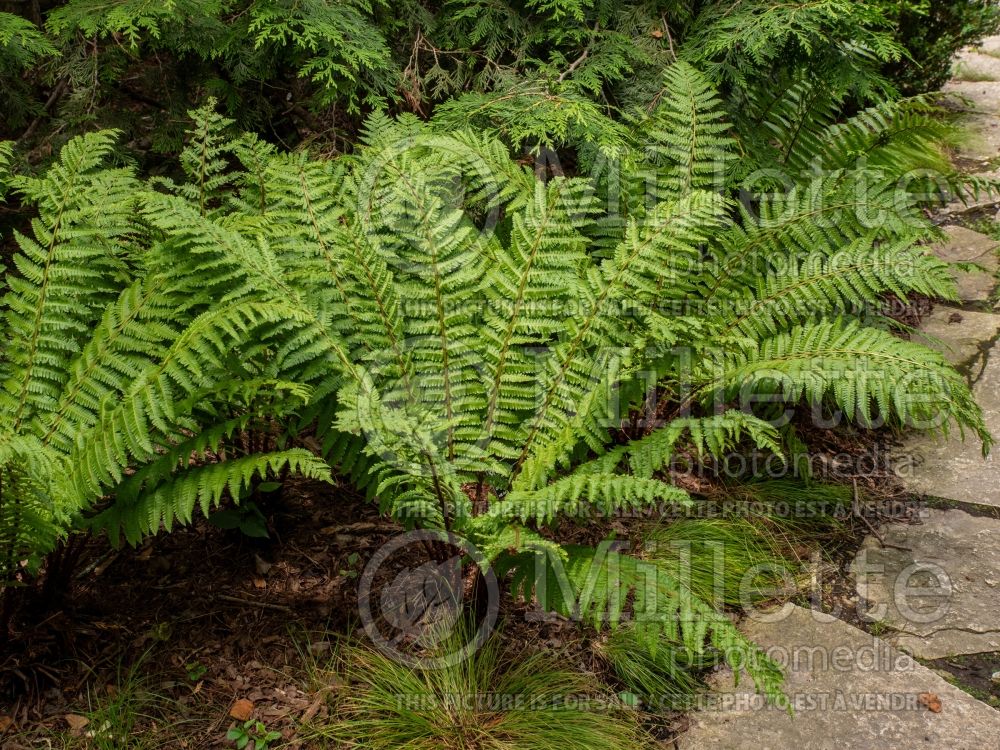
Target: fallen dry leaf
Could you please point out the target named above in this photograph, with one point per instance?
(76, 722)
(241, 710)
(931, 701)
(656, 34)
(5, 723)
(259, 583)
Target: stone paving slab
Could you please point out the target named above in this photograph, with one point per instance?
(986, 100)
(973, 63)
(935, 584)
(963, 337)
(852, 690)
(983, 96)
(966, 246)
(990, 43)
(982, 121)
(950, 467)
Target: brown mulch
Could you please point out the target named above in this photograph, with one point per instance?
(243, 611)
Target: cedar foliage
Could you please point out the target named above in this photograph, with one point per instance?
(539, 72)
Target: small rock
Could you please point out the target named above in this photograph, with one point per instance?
(995, 677)
(319, 647)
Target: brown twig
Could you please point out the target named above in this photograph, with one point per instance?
(56, 94)
(573, 65)
(670, 39)
(579, 61)
(252, 603)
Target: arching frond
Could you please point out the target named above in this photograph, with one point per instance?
(65, 271)
(597, 584)
(857, 369)
(201, 487)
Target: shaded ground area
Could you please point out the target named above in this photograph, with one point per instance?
(207, 616)
(976, 674)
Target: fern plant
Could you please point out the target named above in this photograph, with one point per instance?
(521, 337)
(472, 335)
(465, 337)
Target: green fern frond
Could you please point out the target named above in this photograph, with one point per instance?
(707, 436)
(599, 584)
(822, 218)
(606, 493)
(200, 487)
(65, 271)
(331, 256)
(785, 130)
(135, 330)
(648, 263)
(204, 158)
(858, 369)
(819, 285)
(896, 137)
(539, 264)
(687, 136)
(33, 513)
(125, 426)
